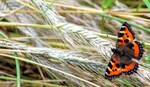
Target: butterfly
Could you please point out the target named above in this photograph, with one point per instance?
(125, 55)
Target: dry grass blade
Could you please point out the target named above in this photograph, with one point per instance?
(71, 33)
(67, 43)
(52, 53)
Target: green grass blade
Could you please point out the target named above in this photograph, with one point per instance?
(147, 3)
(49, 67)
(3, 35)
(123, 20)
(31, 81)
(107, 3)
(16, 60)
(17, 71)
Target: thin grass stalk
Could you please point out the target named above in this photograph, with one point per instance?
(68, 31)
(123, 20)
(17, 64)
(18, 71)
(44, 66)
(70, 57)
(36, 26)
(103, 13)
(147, 3)
(31, 81)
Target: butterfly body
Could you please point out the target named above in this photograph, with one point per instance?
(124, 55)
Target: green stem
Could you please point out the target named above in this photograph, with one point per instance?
(29, 81)
(48, 67)
(147, 3)
(123, 20)
(17, 71)
(17, 62)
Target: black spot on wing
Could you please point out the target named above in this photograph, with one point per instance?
(120, 34)
(123, 66)
(127, 25)
(130, 45)
(119, 40)
(115, 51)
(107, 71)
(112, 61)
(126, 40)
(141, 49)
(109, 65)
(117, 65)
(122, 28)
(129, 28)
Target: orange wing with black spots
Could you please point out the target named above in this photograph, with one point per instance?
(124, 55)
(129, 68)
(122, 60)
(125, 35)
(116, 68)
(138, 50)
(113, 68)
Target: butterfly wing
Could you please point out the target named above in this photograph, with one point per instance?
(125, 35)
(122, 60)
(129, 68)
(138, 50)
(134, 51)
(113, 68)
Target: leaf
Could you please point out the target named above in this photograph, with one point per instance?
(106, 4)
(147, 3)
(147, 59)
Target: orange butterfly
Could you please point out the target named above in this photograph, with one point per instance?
(124, 55)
